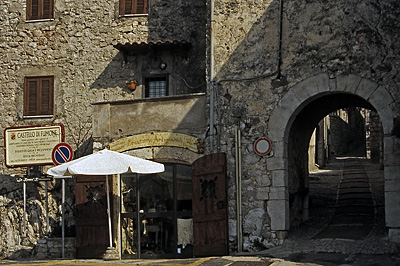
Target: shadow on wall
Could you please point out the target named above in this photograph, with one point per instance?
(332, 37)
(185, 68)
(348, 138)
(15, 245)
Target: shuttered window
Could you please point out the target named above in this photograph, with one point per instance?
(38, 96)
(131, 7)
(39, 9)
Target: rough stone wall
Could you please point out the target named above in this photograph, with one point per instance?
(348, 135)
(77, 48)
(13, 242)
(333, 37)
(374, 137)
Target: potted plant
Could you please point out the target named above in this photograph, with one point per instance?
(132, 84)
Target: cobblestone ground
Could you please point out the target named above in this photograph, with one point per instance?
(323, 192)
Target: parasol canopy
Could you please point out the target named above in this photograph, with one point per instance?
(106, 162)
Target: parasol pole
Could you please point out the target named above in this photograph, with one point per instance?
(63, 218)
(108, 210)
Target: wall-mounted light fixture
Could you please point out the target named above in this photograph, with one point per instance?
(163, 65)
(132, 84)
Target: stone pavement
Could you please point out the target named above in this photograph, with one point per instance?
(322, 239)
(288, 259)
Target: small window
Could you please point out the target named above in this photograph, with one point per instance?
(38, 96)
(133, 7)
(39, 9)
(156, 87)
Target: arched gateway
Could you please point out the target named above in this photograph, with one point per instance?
(299, 105)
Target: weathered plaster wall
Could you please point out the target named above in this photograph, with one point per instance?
(324, 42)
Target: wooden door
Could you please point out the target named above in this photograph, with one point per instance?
(92, 237)
(210, 217)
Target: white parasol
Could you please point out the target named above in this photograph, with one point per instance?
(106, 162)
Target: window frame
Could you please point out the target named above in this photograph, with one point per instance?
(39, 110)
(42, 12)
(146, 89)
(133, 11)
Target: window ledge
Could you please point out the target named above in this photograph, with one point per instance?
(133, 15)
(40, 20)
(36, 116)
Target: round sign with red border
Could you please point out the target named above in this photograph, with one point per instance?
(62, 153)
(262, 146)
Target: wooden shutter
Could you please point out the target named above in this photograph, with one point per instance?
(133, 7)
(31, 97)
(141, 7)
(39, 9)
(46, 96)
(47, 8)
(38, 96)
(32, 9)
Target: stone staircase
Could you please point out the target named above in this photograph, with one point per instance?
(354, 209)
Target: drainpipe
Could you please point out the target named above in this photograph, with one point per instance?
(280, 40)
(212, 76)
(238, 174)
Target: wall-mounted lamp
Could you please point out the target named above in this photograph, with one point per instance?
(163, 65)
(132, 84)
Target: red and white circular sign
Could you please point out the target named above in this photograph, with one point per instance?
(262, 146)
(62, 153)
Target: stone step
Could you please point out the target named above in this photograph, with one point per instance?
(353, 184)
(353, 190)
(355, 210)
(355, 201)
(354, 232)
(363, 195)
(352, 219)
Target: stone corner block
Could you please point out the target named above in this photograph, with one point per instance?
(394, 235)
(278, 210)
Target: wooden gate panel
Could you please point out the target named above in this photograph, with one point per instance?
(210, 218)
(91, 217)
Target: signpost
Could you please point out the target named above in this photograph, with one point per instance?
(32, 146)
(62, 153)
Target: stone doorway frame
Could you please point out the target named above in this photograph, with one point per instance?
(283, 116)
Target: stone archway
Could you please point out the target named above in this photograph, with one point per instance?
(284, 116)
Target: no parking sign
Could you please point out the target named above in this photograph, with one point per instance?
(62, 153)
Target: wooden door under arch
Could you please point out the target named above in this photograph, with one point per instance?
(210, 216)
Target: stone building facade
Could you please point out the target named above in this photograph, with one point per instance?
(280, 67)
(270, 68)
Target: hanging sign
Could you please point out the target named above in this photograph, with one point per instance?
(62, 153)
(262, 146)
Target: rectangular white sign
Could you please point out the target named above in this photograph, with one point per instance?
(31, 145)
